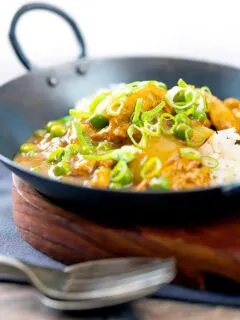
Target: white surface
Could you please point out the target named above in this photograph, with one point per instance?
(203, 29)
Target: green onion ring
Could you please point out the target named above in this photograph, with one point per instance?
(151, 168)
(190, 153)
(143, 141)
(166, 116)
(189, 133)
(97, 100)
(149, 115)
(118, 101)
(137, 110)
(210, 162)
(119, 171)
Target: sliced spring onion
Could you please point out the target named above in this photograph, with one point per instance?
(151, 114)
(180, 129)
(70, 150)
(97, 100)
(210, 162)
(56, 155)
(133, 130)
(85, 144)
(115, 108)
(119, 171)
(182, 118)
(167, 123)
(160, 183)
(181, 99)
(152, 129)
(190, 153)
(104, 146)
(195, 137)
(199, 115)
(182, 84)
(79, 114)
(99, 121)
(137, 110)
(125, 153)
(151, 168)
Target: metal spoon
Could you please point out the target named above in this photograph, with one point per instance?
(110, 279)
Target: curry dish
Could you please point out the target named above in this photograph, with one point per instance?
(138, 136)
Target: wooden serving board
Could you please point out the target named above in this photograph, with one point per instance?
(210, 248)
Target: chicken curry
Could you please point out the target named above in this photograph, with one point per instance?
(138, 136)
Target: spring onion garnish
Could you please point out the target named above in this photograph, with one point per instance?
(199, 115)
(134, 130)
(180, 130)
(151, 114)
(182, 118)
(207, 92)
(115, 108)
(190, 153)
(137, 110)
(121, 173)
(195, 137)
(104, 146)
(125, 153)
(167, 123)
(151, 168)
(97, 100)
(85, 143)
(181, 99)
(160, 183)
(209, 162)
(99, 121)
(182, 84)
(56, 155)
(79, 114)
(152, 129)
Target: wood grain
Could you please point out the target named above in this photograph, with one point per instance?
(209, 248)
(18, 302)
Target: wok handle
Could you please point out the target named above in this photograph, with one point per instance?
(41, 6)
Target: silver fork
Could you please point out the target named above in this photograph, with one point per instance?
(112, 279)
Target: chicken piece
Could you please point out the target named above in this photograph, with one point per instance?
(85, 167)
(116, 131)
(233, 105)
(184, 174)
(221, 117)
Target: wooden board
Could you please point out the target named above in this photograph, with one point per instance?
(212, 248)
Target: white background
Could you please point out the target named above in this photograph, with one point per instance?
(203, 29)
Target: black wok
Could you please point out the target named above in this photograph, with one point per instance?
(45, 94)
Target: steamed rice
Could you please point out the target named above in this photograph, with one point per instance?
(222, 147)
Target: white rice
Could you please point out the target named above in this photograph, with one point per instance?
(222, 147)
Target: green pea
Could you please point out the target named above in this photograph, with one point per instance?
(180, 129)
(56, 155)
(98, 121)
(27, 147)
(50, 124)
(160, 183)
(39, 133)
(62, 169)
(58, 130)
